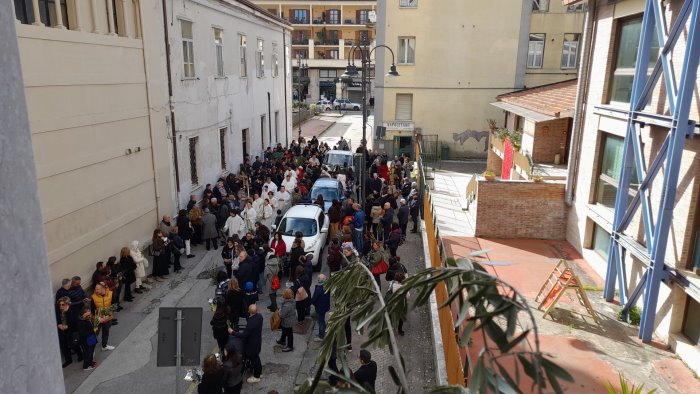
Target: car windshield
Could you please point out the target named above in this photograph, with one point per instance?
(289, 226)
(328, 193)
(338, 160)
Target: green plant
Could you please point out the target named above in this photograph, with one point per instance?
(489, 173)
(321, 36)
(634, 318)
(488, 308)
(626, 388)
(515, 137)
(492, 124)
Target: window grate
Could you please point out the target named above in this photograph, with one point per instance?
(193, 160)
(222, 147)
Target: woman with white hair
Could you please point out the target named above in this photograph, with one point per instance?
(141, 265)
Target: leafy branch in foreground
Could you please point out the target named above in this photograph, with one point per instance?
(492, 316)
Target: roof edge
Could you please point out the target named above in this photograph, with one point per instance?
(263, 11)
(535, 87)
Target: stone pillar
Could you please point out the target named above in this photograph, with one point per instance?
(95, 25)
(37, 15)
(137, 17)
(110, 18)
(78, 16)
(125, 18)
(59, 14)
(29, 342)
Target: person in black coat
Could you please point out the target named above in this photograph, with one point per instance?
(185, 230)
(252, 337)
(393, 239)
(67, 323)
(212, 376)
(235, 300)
(402, 216)
(366, 375)
(387, 219)
(246, 270)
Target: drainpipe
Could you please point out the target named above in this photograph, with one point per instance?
(286, 108)
(269, 118)
(581, 94)
(170, 101)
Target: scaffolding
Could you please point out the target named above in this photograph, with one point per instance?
(656, 226)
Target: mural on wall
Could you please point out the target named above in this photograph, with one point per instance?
(462, 137)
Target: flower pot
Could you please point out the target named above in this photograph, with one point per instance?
(490, 178)
(537, 179)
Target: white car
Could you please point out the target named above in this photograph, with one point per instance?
(313, 223)
(324, 105)
(346, 104)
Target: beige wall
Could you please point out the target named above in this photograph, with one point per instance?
(464, 62)
(88, 103)
(585, 213)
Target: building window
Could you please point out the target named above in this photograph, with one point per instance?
(260, 59)
(540, 5)
(601, 241)
(244, 143)
(363, 38)
(333, 17)
(325, 73)
(300, 17)
(25, 12)
(691, 323)
(262, 133)
(362, 17)
(333, 54)
(408, 3)
(404, 107)
(569, 53)
(627, 45)
(219, 46)
(407, 50)
(243, 40)
(535, 50)
(610, 169)
(275, 62)
(300, 54)
(581, 7)
(187, 49)
(194, 178)
(222, 147)
(277, 125)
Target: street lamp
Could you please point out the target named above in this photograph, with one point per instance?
(302, 81)
(350, 73)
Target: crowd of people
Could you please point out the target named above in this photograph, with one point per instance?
(239, 213)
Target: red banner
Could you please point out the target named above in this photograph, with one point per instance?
(507, 159)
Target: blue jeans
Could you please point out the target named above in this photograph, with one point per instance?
(357, 239)
(321, 318)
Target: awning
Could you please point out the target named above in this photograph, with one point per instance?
(525, 113)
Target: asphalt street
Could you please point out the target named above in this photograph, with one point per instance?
(131, 367)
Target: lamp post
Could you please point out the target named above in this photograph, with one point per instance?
(302, 81)
(348, 75)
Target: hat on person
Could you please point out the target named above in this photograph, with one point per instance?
(249, 286)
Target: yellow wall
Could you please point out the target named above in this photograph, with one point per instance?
(88, 102)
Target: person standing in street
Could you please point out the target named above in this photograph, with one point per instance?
(321, 300)
(366, 375)
(102, 309)
(87, 339)
(209, 232)
(212, 376)
(414, 210)
(141, 265)
(161, 255)
(288, 316)
(252, 338)
(67, 324)
(358, 225)
(128, 271)
(402, 216)
(185, 230)
(233, 370)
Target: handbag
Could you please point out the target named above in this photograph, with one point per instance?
(380, 268)
(301, 294)
(91, 340)
(275, 320)
(275, 284)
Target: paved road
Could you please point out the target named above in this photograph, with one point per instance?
(132, 365)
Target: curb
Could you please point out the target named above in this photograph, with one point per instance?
(326, 129)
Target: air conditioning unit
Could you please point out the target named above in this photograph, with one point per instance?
(372, 16)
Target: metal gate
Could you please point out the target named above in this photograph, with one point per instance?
(430, 149)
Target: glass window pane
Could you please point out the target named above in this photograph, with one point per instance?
(612, 157)
(186, 28)
(601, 241)
(691, 326)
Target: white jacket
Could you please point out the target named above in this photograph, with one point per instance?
(141, 262)
(266, 215)
(289, 184)
(234, 225)
(250, 217)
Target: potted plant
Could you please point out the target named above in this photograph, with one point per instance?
(490, 175)
(492, 125)
(537, 178)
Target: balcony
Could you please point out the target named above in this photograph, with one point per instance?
(298, 21)
(300, 40)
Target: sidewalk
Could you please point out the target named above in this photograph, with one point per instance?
(312, 127)
(593, 354)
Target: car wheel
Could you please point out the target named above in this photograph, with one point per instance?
(327, 109)
(356, 108)
(319, 262)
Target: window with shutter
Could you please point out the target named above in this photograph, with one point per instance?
(404, 107)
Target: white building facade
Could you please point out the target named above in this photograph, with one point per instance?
(230, 77)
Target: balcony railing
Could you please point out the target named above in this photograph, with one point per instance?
(300, 41)
(299, 21)
(87, 16)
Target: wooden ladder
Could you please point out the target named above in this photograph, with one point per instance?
(562, 278)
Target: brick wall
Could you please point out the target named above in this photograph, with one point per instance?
(550, 139)
(521, 209)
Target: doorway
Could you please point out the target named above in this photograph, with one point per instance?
(244, 143)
